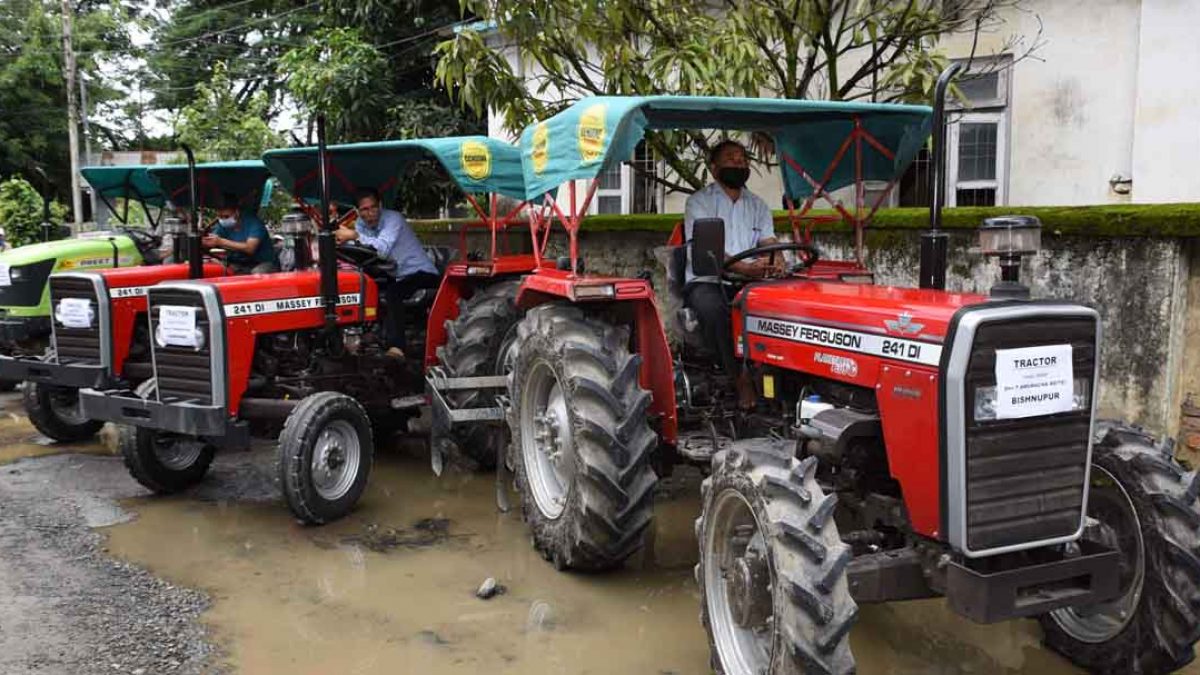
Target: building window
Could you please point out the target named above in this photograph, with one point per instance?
(629, 187)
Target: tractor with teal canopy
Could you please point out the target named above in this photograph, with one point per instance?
(863, 443)
(97, 333)
(473, 314)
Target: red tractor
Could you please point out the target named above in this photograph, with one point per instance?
(908, 442)
(304, 350)
(99, 335)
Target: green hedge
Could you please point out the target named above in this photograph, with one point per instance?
(1126, 220)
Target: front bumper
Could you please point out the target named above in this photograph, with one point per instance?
(1011, 587)
(206, 421)
(17, 330)
(77, 376)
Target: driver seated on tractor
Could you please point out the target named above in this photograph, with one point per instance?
(388, 232)
(244, 236)
(748, 224)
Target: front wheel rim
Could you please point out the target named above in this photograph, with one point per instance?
(336, 457)
(1102, 622)
(546, 447)
(65, 405)
(738, 577)
(177, 453)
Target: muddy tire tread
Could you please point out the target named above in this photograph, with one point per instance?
(814, 611)
(610, 505)
(1161, 636)
(36, 399)
(293, 456)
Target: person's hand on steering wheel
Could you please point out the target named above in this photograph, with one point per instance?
(768, 262)
(345, 234)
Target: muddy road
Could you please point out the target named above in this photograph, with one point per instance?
(95, 576)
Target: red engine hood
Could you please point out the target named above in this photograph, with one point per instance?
(901, 312)
(148, 275)
(285, 285)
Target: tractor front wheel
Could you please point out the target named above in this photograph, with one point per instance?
(163, 462)
(324, 457)
(772, 571)
(1145, 506)
(54, 411)
(581, 442)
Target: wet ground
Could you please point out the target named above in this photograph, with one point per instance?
(391, 589)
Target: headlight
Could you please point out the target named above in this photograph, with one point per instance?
(985, 399)
(16, 273)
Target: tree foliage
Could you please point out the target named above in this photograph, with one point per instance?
(21, 212)
(218, 127)
(846, 50)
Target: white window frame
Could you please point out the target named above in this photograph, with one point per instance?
(622, 191)
(1000, 184)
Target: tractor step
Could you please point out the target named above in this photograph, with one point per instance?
(445, 415)
(697, 446)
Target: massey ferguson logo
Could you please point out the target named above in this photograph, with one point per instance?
(904, 325)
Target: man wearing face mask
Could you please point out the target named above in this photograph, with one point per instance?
(244, 236)
(748, 224)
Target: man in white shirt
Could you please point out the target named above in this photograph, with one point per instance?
(748, 223)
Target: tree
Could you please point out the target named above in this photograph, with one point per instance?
(844, 50)
(218, 127)
(21, 212)
(341, 75)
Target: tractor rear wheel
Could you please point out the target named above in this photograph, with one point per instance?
(163, 462)
(54, 411)
(1146, 507)
(772, 569)
(480, 342)
(324, 457)
(581, 442)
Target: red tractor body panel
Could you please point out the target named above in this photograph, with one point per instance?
(275, 303)
(127, 299)
(880, 337)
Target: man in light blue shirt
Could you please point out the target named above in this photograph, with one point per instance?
(388, 232)
(748, 223)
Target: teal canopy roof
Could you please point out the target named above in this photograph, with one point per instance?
(246, 178)
(478, 164)
(594, 133)
(124, 182)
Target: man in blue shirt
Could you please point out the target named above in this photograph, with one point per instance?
(388, 232)
(244, 236)
(748, 224)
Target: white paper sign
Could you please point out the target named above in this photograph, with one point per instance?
(74, 313)
(5, 278)
(177, 325)
(1034, 381)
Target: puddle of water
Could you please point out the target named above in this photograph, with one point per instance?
(18, 438)
(391, 589)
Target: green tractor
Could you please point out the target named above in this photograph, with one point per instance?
(25, 271)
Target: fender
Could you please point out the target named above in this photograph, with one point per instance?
(657, 367)
(459, 283)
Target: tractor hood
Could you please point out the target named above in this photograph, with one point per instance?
(784, 308)
(92, 247)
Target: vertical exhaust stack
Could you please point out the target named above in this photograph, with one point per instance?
(47, 226)
(194, 254)
(934, 242)
(326, 247)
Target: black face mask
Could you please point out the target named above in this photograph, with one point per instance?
(733, 176)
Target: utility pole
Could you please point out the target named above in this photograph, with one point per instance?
(72, 112)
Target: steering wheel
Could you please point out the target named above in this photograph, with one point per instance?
(142, 239)
(809, 256)
(363, 256)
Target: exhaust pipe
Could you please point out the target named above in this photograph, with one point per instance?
(934, 242)
(47, 226)
(326, 247)
(194, 254)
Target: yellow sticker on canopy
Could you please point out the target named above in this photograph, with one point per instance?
(476, 160)
(591, 133)
(541, 148)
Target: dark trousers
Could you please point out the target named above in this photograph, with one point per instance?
(395, 294)
(708, 302)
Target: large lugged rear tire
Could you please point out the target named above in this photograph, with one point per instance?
(54, 411)
(772, 569)
(163, 462)
(324, 457)
(478, 343)
(1148, 509)
(581, 442)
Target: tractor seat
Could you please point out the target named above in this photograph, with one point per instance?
(441, 256)
(707, 248)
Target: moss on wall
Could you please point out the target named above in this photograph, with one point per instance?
(1125, 220)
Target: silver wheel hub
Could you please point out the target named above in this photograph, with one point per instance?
(177, 453)
(65, 405)
(737, 586)
(336, 457)
(546, 447)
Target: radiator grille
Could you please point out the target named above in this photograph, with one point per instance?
(76, 345)
(1025, 477)
(184, 374)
